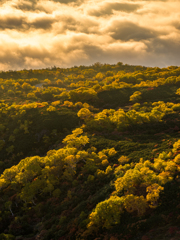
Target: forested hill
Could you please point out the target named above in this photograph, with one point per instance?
(90, 152)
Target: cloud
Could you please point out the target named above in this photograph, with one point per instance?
(165, 46)
(35, 5)
(85, 49)
(22, 23)
(80, 50)
(69, 1)
(26, 5)
(42, 22)
(43, 33)
(109, 8)
(7, 22)
(176, 24)
(67, 23)
(17, 57)
(126, 31)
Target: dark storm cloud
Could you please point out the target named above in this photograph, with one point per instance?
(23, 24)
(168, 47)
(32, 5)
(109, 8)
(12, 22)
(163, 52)
(42, 22)
(68, 1)
(27, 5)
(126, 31)
(176, 25)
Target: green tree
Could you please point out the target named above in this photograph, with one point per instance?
(135, 203)
(135, 97)
(107, 213)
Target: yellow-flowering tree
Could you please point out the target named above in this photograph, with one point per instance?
(135, 97)
(107, 213)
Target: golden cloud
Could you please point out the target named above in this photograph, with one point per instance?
(43, 33)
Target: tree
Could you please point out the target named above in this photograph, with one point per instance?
(153, 194)
(26, 86)
(107, 213)
(128, 182)
(8, 205)
(178, 91)
(135, 203)
(74, 140)
(10, 173)
(2, 143)
(123, 160)
(135, 97)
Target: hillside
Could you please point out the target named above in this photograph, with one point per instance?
(90, 152)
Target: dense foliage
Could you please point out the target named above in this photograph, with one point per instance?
(90, 153)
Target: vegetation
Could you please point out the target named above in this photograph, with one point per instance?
(90, 153)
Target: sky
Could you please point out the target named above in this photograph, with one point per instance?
(38, 34)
